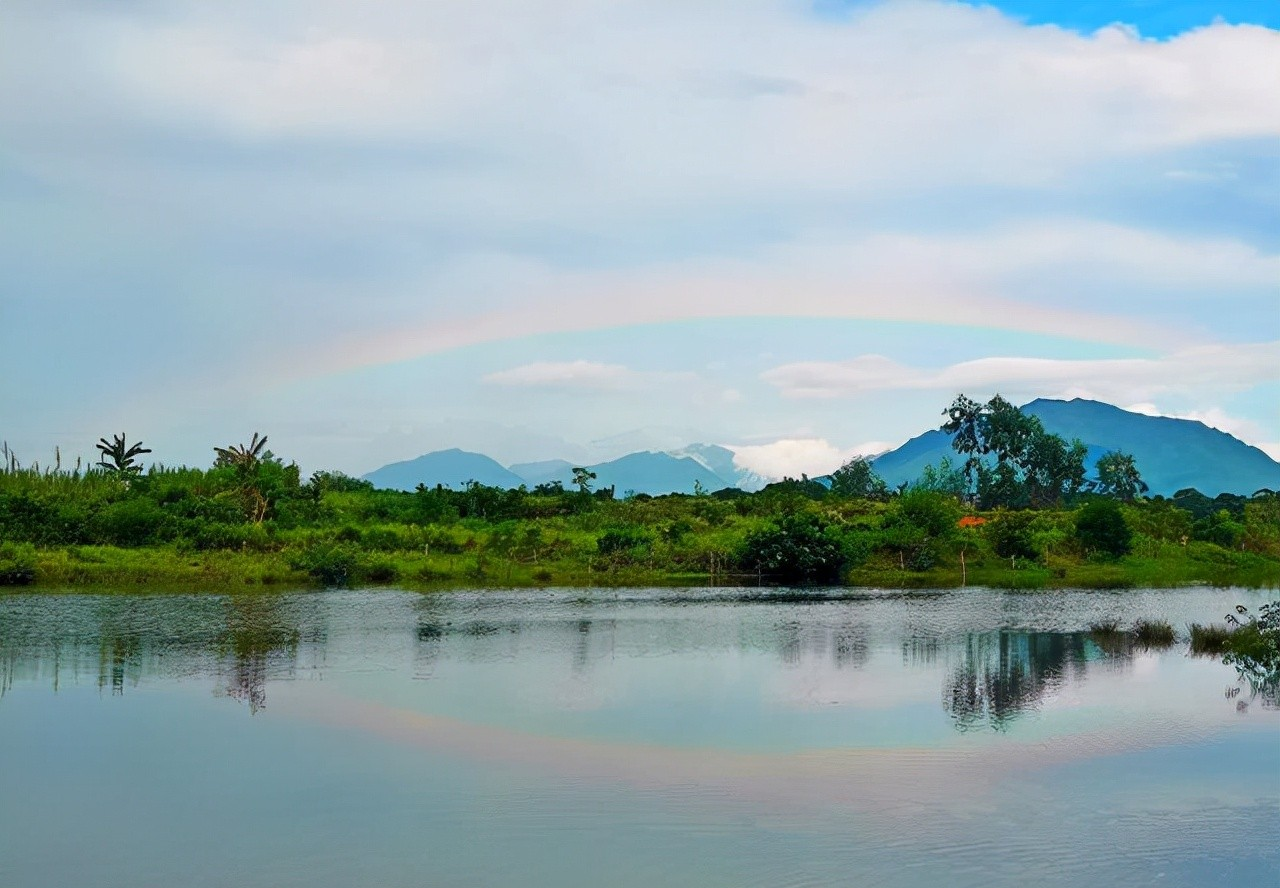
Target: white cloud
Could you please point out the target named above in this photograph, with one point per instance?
(793, 457)
(568, 375)
(1217, 368)
(782, 89)
(297, 189)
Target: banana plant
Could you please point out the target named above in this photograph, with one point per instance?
(245, 459)
(242, 456)
(119, 457)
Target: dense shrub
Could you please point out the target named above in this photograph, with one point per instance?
(799, 549)
(136, 521)
(1101, 529)
(17, 564)
(624, 542)
(1011, 536)
(331, 565)
(221, 535)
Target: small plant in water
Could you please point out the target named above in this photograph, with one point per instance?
(1153, 633)
(1109, 636)
(1209, 640)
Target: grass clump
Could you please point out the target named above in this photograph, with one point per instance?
(1109, 636)
(1153, 633)
(1210, 640)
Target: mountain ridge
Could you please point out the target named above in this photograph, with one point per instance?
(1171, 454)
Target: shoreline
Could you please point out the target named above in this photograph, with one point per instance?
(69, 570)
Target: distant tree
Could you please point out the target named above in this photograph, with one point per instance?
(243, 456)
(944, 477)
(583, 477)
(119, 457)
(1118, 477)
(857, 479)
(257, 477)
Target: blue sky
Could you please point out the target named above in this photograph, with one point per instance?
(1157, 19)
(544, 228)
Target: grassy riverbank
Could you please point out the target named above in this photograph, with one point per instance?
(113, 568)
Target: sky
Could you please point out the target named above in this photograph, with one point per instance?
(574, 228)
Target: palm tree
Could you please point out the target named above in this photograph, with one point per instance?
(120, 458)
(245, 460)
(243, 456)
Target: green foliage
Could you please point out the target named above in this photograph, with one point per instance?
(1254, 649)
(1011, 536)
(920, 527)
(336, 482)
(1031, 466)
(329, 564)
(942, 478)
(857, 479)
(1118, 477)
(800, 549)
(248, 519)
(1101, 529)
(1220, 528)
(624, 542)
(17, 564)
(119, 457)
(137, 521)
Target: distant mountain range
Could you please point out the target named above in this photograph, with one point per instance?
(1171, 454)
(653, 472)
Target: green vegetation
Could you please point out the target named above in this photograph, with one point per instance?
(1210, 640)
(1154, 633)
(250, 519)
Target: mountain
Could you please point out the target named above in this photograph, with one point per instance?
(452, 468)
(656, 473)
(719, 460)
(535, 473)
(651, 472)
(1171, 454)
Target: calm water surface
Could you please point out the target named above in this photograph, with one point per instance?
(627, 738)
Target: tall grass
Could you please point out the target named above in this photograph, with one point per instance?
(1153, 633)
(1210, 640)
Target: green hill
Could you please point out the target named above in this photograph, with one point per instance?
(1172, 454)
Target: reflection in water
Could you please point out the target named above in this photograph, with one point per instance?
(258, 642)
(989, 679)
(121, 641)
(1004, 674)
(617, 738)
(846, 645)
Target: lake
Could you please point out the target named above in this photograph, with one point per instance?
(712, 737)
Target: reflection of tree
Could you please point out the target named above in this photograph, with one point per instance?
(847, 645)
(259, 643)
(1005, 674)
(917, 651)
(851, 648)
(118, 656)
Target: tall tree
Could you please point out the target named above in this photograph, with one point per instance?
(1118, 477)
(856, 478)
(1031, 466)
